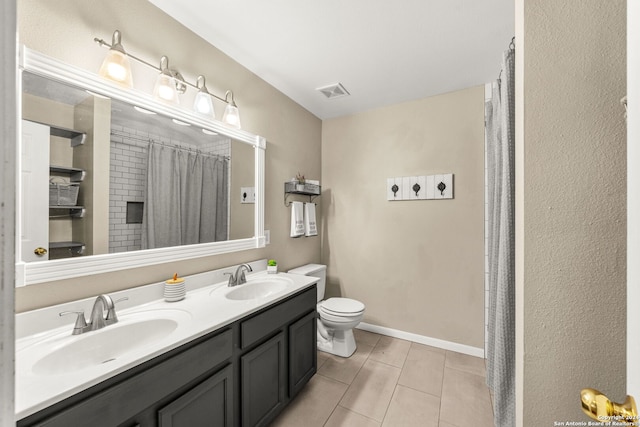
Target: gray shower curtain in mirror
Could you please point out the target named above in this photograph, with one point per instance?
(186, 200)
(500, 126)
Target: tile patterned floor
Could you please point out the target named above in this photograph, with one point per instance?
(390, 382)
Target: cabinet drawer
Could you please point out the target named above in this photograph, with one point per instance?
(124, 400)
(262, 324)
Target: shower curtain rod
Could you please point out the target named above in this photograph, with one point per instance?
(512, 46)
(179, 147)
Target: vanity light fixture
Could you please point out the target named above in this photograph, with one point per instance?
(169, 83)
(165, 88)
(203, 103)
(231, 114)
(116, 65)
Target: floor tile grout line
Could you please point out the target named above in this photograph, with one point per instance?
(394, 388)
(334, 408)
(465, 371)
(419, 391)
(386, 411)
(444, 368)
(348, 387)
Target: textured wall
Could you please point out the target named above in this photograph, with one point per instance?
(416, 265)
(574, 205)
(65, 30)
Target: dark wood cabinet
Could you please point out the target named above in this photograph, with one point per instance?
(302, 352)
(209, 404)
(243, 374)
(263, 382)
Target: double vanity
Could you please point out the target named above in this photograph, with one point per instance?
(223, 356)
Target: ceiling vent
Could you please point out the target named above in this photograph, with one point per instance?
(335, 90)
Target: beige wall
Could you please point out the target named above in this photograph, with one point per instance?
(93, 116)
(417, 265)
(65, 30)
(574, 191)
(242, 175)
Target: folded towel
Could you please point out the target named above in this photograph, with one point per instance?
(310, 228)
(297, 219)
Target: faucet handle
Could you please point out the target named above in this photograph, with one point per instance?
(81, 322)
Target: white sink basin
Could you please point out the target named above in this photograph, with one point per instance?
(259, 288)
(133, 332)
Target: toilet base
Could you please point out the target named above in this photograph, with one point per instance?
(341, 343)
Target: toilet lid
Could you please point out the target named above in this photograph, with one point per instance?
(342, 306)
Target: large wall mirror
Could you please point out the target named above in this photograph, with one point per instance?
(112, 179)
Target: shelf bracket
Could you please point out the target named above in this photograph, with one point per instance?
(312, 197)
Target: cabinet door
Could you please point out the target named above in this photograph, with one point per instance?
(303, 356)
(263, 379)
(35, 191)
(210, 404)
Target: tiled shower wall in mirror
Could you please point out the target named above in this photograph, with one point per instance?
(128, 175)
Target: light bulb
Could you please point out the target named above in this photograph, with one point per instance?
(115, 69)
(232, 116)
(165, 88)
(116, 64)
(203, 104)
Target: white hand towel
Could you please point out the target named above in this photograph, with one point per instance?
(310, 228)
(297, 219)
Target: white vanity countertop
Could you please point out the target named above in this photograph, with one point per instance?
(205, 309)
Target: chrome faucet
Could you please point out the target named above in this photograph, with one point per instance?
(97, 320)
(239, 278)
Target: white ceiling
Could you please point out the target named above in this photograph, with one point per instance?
(383, 52)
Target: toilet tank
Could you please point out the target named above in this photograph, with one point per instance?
(314, 270)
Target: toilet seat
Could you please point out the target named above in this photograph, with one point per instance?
(340, 319)
(341, 311)
(343, 307)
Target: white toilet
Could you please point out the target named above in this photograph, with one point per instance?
(336, 316)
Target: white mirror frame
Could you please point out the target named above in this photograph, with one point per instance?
(46, 271)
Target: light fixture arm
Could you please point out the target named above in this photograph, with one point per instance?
(180, 81)
(226, 99)
(116, 42)
(201, 84)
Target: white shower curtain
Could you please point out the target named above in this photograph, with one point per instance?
(186, 200)
(500, 123)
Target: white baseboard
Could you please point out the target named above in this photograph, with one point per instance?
(421, 339)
